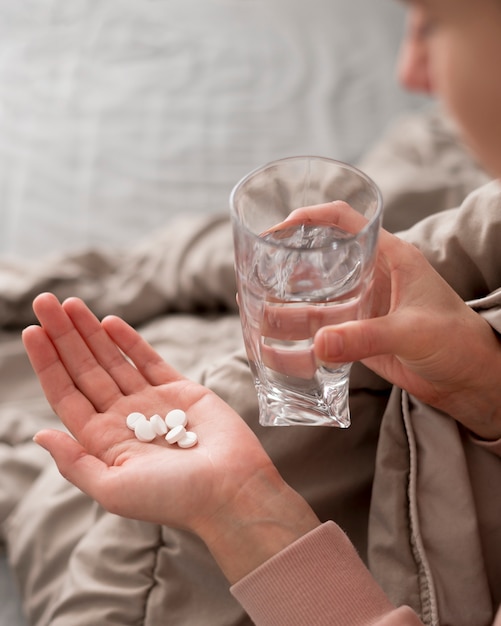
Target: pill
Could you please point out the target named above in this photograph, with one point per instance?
(177, 433)
(133, 418)
(176, 417)
(144, 430)
(189, 440)
(158, 424)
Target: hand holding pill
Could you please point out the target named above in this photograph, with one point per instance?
(95, 390)
(208, 473)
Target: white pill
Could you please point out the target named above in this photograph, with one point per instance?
(190, 439)
(144, 430)
(176, 417)
(177, 433)
(133, 418)
(158, 424)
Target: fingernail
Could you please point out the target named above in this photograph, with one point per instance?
(36, 439)
(332, 345)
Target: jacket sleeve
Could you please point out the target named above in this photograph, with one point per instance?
(462, 244)
(319, 580)
(492, 446)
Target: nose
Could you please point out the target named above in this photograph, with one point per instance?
(413, 69)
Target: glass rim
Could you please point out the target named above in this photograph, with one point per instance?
(343, 165)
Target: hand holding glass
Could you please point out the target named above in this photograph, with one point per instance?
(297, 274)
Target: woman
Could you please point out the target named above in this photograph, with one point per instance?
(285, 566)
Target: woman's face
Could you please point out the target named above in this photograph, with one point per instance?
(453, 49)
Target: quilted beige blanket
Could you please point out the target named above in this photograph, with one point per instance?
(402, 481)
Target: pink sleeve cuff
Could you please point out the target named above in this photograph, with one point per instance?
(319, 580)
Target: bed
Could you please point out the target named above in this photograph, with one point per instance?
(119, 118)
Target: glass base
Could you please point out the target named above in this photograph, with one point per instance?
(279, 406)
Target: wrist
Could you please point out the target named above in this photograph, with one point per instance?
(264, 517)
(479, 413)
(476, 401)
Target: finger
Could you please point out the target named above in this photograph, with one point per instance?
(291, 324)
(356, 341)
(348, 219)
(295, 363)
(148, 362)
(84, 470)
(302, 321)
(103, 348)
(66, 400)
(86, 372)
(339, 213)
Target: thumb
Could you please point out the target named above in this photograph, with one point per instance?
(73, 462)
(361, 339)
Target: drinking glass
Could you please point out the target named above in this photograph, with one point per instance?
(295, 276)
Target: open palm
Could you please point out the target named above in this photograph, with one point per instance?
(94, 374)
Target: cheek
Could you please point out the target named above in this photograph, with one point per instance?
(467, 81)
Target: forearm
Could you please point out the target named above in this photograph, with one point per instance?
(287, 568)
